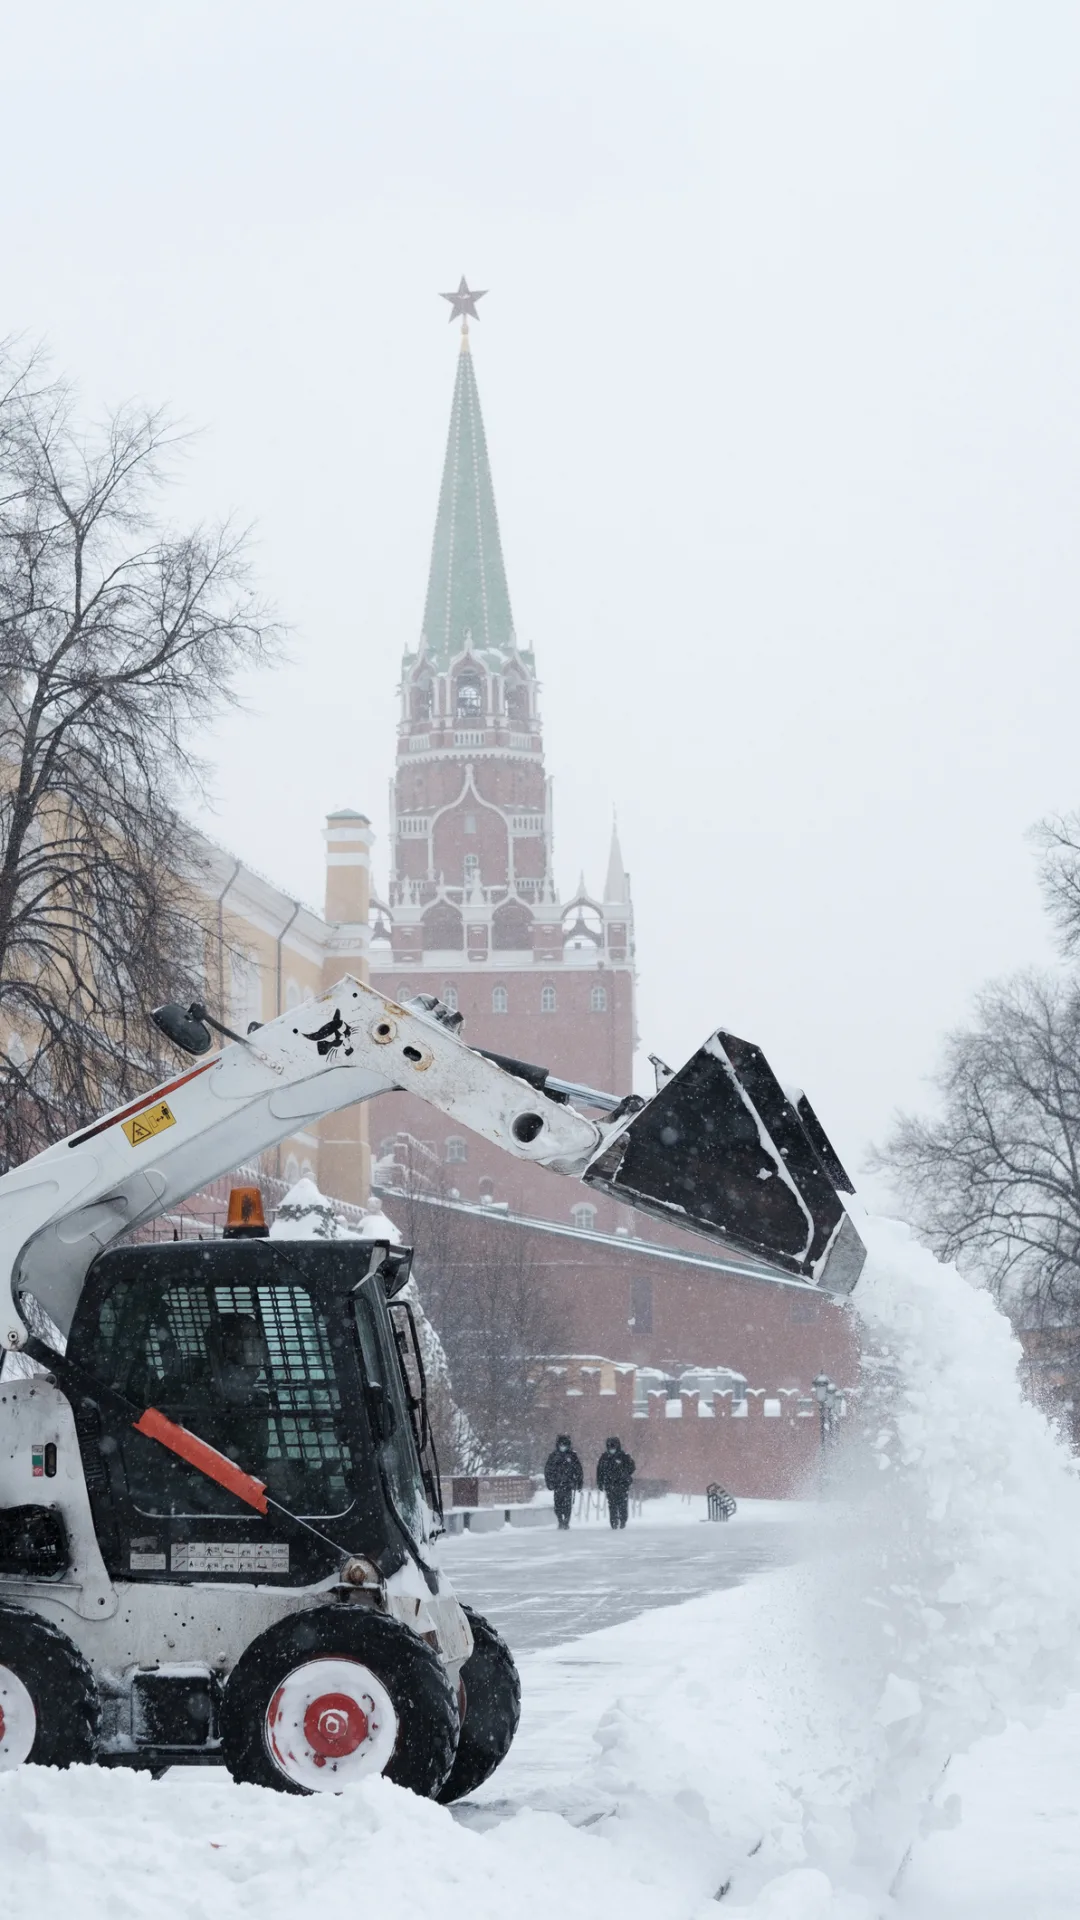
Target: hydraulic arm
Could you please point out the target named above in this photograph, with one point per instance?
(719, 1149)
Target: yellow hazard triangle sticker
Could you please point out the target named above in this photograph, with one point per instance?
(153, 1120)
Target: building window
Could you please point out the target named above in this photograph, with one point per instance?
(547, 1000)
(500, 1000)
(456, 1148)
(598, 1000)
(292, 994)
(469, 702)
(443, 930)
(641, 1302)
(450, 996)
(404, 991)
(584, 1216)
(470, 823)
(472, 867)
(292, 1170)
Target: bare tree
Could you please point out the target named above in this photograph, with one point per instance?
(483, 1291)
(489, 1305)
(119, 639)
(1059, 840)
(996, 1179)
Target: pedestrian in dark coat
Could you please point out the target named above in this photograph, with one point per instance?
(614, 1472)
(563, 1474)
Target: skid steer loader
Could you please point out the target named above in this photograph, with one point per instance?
(218, 1495)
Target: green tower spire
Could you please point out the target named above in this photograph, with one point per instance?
(468, 600)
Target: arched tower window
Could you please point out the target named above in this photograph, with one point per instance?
(468, 696)
(598, 1000)
(444, 930)
(548, 1002)
(421, 700)
(472, 868)
(450, 996)
(584, 1216)
(457, 1149)
(500, 1000)
(511, 928)
(517, 702)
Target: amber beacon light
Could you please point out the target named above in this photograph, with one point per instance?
(246, 1219)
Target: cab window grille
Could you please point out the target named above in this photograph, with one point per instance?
(249, 1369)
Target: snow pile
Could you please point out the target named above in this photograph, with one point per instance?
(971, 1513)
(95, 1845)
(947, 1602)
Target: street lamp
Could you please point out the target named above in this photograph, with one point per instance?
(827, 1396)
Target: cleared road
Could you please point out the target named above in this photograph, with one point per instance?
(539, 1586)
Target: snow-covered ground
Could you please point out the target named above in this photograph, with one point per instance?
(653, 1758)
(889, 1727)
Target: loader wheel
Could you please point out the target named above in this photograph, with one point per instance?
(335, 1695)
(492, 1709)
(49, 1708)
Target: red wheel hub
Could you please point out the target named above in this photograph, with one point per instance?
(335, 1725)
(3, 1728)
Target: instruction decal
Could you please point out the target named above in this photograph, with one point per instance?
(37, 1461)
(230, 1556)
(151, 1120)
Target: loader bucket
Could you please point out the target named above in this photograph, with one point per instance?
(721, 1149)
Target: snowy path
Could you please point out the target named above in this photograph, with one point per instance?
(540, 1587)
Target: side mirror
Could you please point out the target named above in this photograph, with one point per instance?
(392, 1265)
(185, 1027)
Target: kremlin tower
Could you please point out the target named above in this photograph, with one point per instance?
(474, 915)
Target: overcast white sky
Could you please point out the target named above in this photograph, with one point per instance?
(779, 370)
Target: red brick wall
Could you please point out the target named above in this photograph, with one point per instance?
(775, 1334)
(754, 1456)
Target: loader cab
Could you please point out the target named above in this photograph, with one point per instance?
(289, 1358)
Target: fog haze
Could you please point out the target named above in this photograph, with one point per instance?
(778, 367)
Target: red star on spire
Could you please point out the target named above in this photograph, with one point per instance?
(463, 302)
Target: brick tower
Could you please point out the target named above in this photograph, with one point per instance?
(474, 914)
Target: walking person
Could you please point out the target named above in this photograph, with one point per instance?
(563, 1474)
(614, 1472)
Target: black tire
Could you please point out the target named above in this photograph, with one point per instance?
(424, 1699)
(59, 1683)
(492, 1693)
